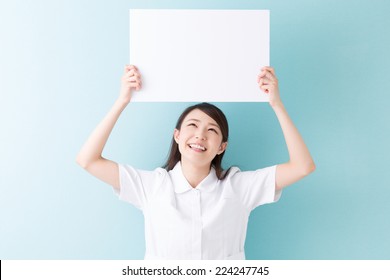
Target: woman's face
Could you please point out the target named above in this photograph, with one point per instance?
(199, 138)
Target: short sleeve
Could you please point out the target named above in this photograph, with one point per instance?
(255, 188)
(136, 186)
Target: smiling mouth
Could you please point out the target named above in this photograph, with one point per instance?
(197, 147)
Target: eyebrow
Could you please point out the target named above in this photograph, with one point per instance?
(196, 120)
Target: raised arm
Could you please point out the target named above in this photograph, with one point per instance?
(300, 163)
(90, 155)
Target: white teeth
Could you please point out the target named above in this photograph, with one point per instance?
(196, 146)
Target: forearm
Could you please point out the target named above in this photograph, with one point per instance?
(300, 158)
(93, 147)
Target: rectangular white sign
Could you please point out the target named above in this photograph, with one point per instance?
(195, 269)
(199, 55)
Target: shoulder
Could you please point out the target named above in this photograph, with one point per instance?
(253, 188)
(130, 173)
(236, 171)
(130, 168)
(236, 175)
(232, 171)
(137, 186)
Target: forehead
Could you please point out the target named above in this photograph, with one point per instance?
(199, 115)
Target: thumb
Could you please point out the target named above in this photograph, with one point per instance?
(127, 68)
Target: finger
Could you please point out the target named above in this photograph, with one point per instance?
(130, 73)
(136, 85)
(265, 74)
(261, 79)
(269, 78)
(130, 67)
(127, 78)
(269, 72)
(269, 68)
(265, 88)
(133, 79)
(262, 73)
(265, 81)
(133, 73)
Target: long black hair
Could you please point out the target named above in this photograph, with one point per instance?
(219, 117)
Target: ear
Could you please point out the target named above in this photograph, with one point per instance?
(176, 134)
(222, 148)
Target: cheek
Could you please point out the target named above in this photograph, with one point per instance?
(182, 142)
(217, 142)
(186, 135)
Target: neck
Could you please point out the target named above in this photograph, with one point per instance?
(194, 173)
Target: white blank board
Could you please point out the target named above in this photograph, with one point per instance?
(199, 55)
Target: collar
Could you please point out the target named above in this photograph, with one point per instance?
(181, 184)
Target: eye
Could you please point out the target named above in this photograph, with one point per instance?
(192, 124)
(213, 130)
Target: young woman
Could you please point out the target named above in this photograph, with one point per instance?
(193, 209)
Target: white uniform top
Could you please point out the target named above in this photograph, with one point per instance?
(206, 222)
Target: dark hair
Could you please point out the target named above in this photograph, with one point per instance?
(217, 115)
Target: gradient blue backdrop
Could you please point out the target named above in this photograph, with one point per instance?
(60, 68)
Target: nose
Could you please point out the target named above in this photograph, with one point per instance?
(200, 135)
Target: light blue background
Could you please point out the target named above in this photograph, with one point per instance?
(60, 66)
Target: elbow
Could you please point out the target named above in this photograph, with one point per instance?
(82, 162)
(308, 168)
(86, 162)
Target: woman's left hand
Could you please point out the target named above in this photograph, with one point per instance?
(268, 83)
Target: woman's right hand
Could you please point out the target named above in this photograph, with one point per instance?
(131, 80)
